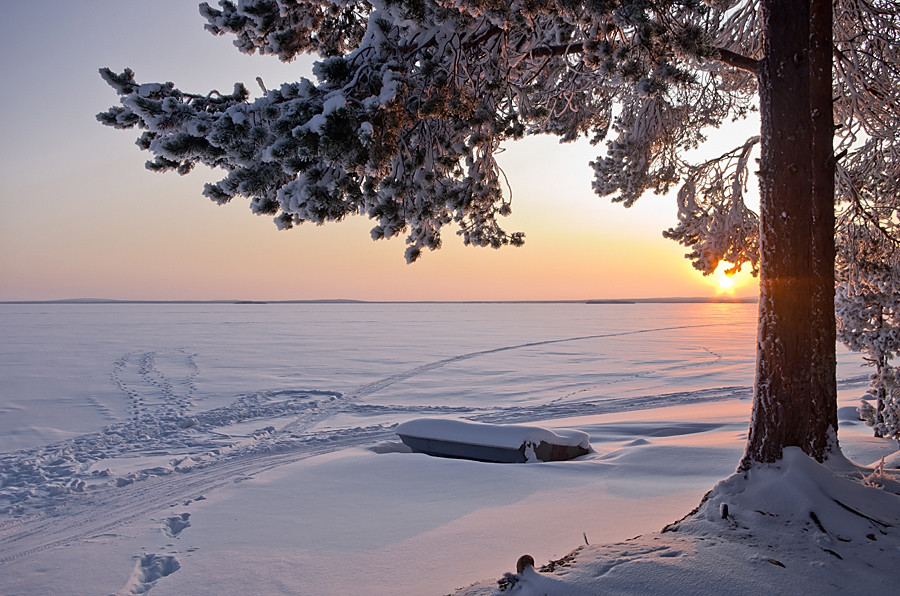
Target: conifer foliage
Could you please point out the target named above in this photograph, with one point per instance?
(868, 313)
(413, 99)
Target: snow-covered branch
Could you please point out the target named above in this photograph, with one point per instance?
(713, 219)
(413, 100)
(867, 306)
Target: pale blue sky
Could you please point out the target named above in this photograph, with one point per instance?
(81, 217)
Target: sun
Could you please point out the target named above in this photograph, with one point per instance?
(725, 283)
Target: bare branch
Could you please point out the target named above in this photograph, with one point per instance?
(738, 61)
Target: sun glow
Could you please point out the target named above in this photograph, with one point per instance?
(728, 283)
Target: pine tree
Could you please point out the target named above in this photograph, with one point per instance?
(414, 98)
(868, 314)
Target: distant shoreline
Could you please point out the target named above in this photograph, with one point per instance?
(593, 301)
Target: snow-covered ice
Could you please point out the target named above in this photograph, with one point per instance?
(210, 449)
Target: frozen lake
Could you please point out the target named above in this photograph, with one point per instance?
(122, 411)
(72, 369)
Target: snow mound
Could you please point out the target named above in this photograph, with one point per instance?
(507, 436)
(791, 527)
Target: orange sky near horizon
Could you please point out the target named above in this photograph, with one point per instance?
(154, 236)
(81, 217)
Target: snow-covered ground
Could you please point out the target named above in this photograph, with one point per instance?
(220, 449)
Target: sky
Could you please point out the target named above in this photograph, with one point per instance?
(80, 216)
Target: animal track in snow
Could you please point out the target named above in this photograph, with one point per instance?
(195, 452)
(160, 386)
(717, 357)
(377, 386)
(156, 382)
(174, 525)
(178, 442)
(150, 568)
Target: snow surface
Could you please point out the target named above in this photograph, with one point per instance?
(220, 449)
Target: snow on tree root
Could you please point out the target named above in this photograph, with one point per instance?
(840, 513)
(794, 526)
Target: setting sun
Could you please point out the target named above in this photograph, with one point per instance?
(729, 284)
(726, 282)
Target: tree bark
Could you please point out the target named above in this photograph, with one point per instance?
(795, 396)
(880, 396)
(824, 380)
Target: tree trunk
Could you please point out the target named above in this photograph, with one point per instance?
(795, 397)
(880, 396)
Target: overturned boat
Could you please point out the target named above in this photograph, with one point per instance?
(497, 443)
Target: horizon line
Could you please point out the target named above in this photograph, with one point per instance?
(657, 300)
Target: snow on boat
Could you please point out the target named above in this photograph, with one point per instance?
(499, 443)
